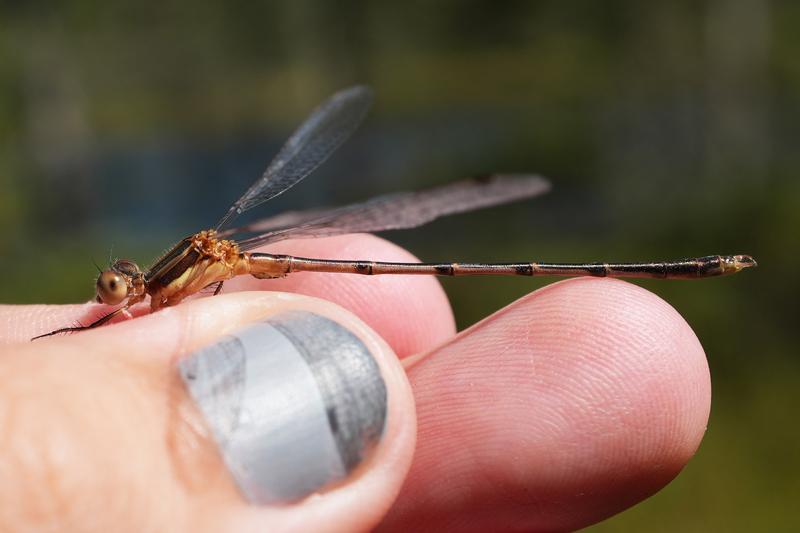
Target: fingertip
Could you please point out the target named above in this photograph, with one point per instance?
(564, 408)
(134, 370)
(641, 345)
(629, 372)
(274, 485)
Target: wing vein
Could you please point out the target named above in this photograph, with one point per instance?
(394, 211)
(328, 126)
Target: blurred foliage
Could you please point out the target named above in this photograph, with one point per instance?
(669, 129)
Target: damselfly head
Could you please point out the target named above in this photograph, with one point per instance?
(113, 284)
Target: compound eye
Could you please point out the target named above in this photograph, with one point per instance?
(111, 288)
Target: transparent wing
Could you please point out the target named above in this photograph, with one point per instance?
(310, 145)
(397, 211)
(284, 220)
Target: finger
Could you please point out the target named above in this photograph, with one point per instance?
(560, 410)
(125, 420)
(411, 313)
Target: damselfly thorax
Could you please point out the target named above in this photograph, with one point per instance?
(210, 257)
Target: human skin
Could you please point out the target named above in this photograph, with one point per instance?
(565, 407)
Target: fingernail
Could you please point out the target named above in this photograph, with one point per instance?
(295, 403)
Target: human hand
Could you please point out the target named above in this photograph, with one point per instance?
(562, 409)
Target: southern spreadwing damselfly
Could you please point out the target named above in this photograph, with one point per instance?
(210, 257)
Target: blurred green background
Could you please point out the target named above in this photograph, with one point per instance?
(670, 129)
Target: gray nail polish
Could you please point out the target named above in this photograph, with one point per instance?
(294, 402)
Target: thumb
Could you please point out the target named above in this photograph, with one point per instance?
(243, 412)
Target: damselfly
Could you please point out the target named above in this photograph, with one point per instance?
(210, 257)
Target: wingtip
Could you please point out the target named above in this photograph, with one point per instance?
(539, 182)
(364, 92)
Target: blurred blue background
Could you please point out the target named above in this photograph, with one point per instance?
(668, 129)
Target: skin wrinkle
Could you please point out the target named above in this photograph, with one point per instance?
(614, 332)
(66, 445)
(665, 396)
(652, 443)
